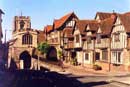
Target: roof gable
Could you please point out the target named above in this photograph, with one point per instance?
(59, 22)
(48, 28)
(99, 30)
(125, 21)
(82, 24)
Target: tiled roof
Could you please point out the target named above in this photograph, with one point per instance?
(125, 20)
(48, 28)
(81, 25)
(93, 25)
(106, 25)
(68, 32)
(103, 15)
(59, 22)
(127, 13)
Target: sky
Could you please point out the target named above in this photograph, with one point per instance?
(43, 12)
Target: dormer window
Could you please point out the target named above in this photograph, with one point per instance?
(89, 40)
(77, 38)
(70, 23)
(116, 37)
(65, 40)
(22, 24)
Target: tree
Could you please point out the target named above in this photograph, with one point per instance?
(60, 54)
(43, 47)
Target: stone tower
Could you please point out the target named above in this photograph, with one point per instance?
(24, 40)
(21, 23)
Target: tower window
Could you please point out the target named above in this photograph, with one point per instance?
(22, 24)
(27, 39)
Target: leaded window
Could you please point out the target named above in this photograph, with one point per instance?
(27, 39)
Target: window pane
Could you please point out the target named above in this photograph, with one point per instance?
(86, 56)
(105, 55)
(97, 56)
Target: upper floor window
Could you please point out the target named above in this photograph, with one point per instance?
(89, 40)
(70, 23)
(116, 37)
(65, 40)
(77, 38)
(27, 39)
(98, 38)
(86, 56)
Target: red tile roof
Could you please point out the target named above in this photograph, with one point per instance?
(59, 22)
(48, 28)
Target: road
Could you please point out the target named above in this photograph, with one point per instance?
(97, 81)
(30, 78)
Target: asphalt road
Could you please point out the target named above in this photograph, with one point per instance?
(27, 78)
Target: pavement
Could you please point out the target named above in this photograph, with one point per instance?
(119, 77)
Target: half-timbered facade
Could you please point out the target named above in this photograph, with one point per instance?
(79, 35)
(91, 30)
(119, 52)
(55, 34)
(103, 43)
(68, 43)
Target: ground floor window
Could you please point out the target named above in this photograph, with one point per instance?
(86, 56)
(116, 57)
(97, 56)
(105, 55)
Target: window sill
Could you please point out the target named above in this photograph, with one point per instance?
(114, 64)
(104, 61)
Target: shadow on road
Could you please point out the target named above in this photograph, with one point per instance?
(33, 78)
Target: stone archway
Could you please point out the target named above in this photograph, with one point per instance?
(26, 57)
(52, 54)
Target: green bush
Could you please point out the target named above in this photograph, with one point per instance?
(97, 67)
(74, 62)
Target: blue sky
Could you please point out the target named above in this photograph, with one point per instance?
(43, 12)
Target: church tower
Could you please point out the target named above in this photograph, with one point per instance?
(24, 40)
(21, 23)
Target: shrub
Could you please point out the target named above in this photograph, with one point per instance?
(97, 67)
(74, 61)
